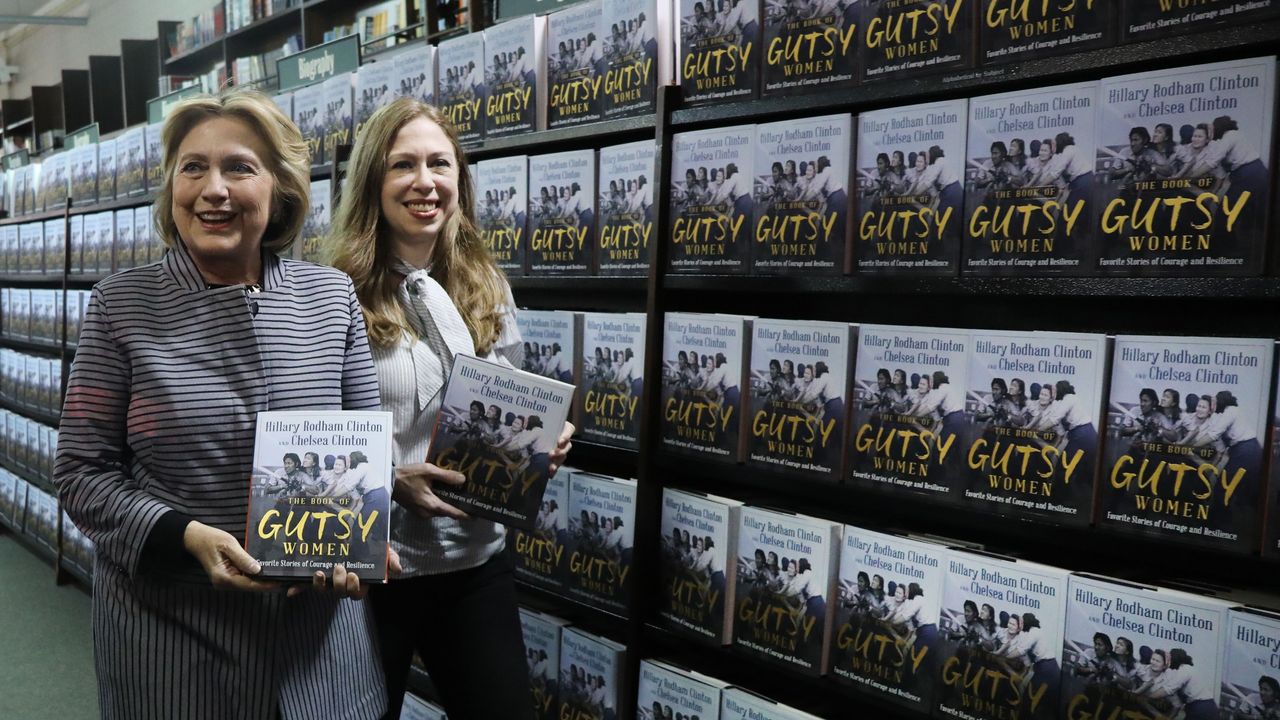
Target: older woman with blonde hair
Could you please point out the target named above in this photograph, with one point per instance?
(405, 233)
(175, 361)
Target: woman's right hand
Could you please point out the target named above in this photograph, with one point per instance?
(413, 489)
(227, 564)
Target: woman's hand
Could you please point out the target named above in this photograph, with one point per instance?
(227, 564)
(563, 446)
(413, 490)
(345, 584)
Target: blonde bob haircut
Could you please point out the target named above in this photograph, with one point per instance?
(359, 241)
(289, 161)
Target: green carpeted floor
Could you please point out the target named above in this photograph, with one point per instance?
(46, 657)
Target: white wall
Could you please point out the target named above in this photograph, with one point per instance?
(42, 52)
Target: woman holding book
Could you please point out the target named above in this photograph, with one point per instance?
(176, 360)
(405, 232)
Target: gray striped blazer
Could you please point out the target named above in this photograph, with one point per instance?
(159, 415)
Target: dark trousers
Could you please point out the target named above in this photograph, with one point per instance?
(466, 628)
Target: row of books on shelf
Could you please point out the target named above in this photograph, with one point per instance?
(28, 444)
(30, 381)
(35, 315)
(202, 29)
(125, 166)
(29, 510)
(244, 12)
(257, 68)
(102, 242)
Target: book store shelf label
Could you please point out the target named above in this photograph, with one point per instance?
(87, 135)
(15, 160)
(507, 9)
(319, 63)
(158, 108)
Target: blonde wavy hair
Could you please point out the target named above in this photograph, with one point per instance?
(359, 241)
(288, 160)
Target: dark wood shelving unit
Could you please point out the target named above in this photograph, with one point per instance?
(568, 138)
(30, 346)
(197, 60)
(141, 77)
(77, 99)
(106, 87)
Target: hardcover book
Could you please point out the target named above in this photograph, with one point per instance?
(542, 637)
(498, 426)
(415, 73)
(316, 225)
(702, 375)
(338, 113)
(801, 206)
(335, 510)
(131, 163)
(1271, 529)
(1146, 19)
(12, 248)
(1135, 650)
(1029, 182)
(669, 691)
(741, 704)
(106, 241)
(1033, 407)
(562, 213)
(612, 378)
(1001, 638)
(1182, 169)
(124, 239)
(1011, 31)
(106, 170)
(787, 566)
(1183, 456)
(796, 412)
(719, 50)
(591, 678)
(911, 188)
(576, 66)
(84, 174)
(75, 244)
(143, 247)
(908, 413)
(909, 37)
(1250, 680)
(284, 101)
(886, 638)
(31, 237)
(625, 200)
(637, 53)
(55, 246)
(513, 53)
(152, 136)
(375, 87)
(461, 89)
(810, 47)
(711, 200)
(602, 513)
(502, 203)
(698, 534)
(549, 347)
(539, 554)
(309, 116)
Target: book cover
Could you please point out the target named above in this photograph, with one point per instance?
(284, 101)
(307, 517)
(12, 248)
(106, 170)
(316, 225)
(576, 66)
(539, 554)
(637, 54)
(810, 47)
(415, 708)
(143, 247)
(796, 412)
(502, 203)
(75, 244)
(20, 326)
(498, 426)
(542, 635)
(55, 246)
(131, 163)
(787, 564)
(562, 213)
(7, 513)
(549, 343)
(698, 534)
(711, 201)
(1250, 678)
(719, 50)
(309, 116)
(910, 37)
(1146, 19)
(911, 188)
(1271, 529)
(1134, 650)
(1001, 633)
(106, 240)
(602, 513)
(513, 54)
(886, 625)
(84, 175)
(375, 87)
(1183, 181)
(461, 90)
(1011, 30)
(591, 679)
(152, 137)
(58, 170)
(1033, 408)
(124, 239)
(1029, 182)
(338, 113)
(31, 238)
(666, 691)
(801, 206)
(625, 200)
(612, 379)
(702, 375)
(1183, 456)
(908, 413)
(742, 704)
(415, 73)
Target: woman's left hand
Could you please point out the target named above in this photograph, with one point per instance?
(563, 446)
(345, 584)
